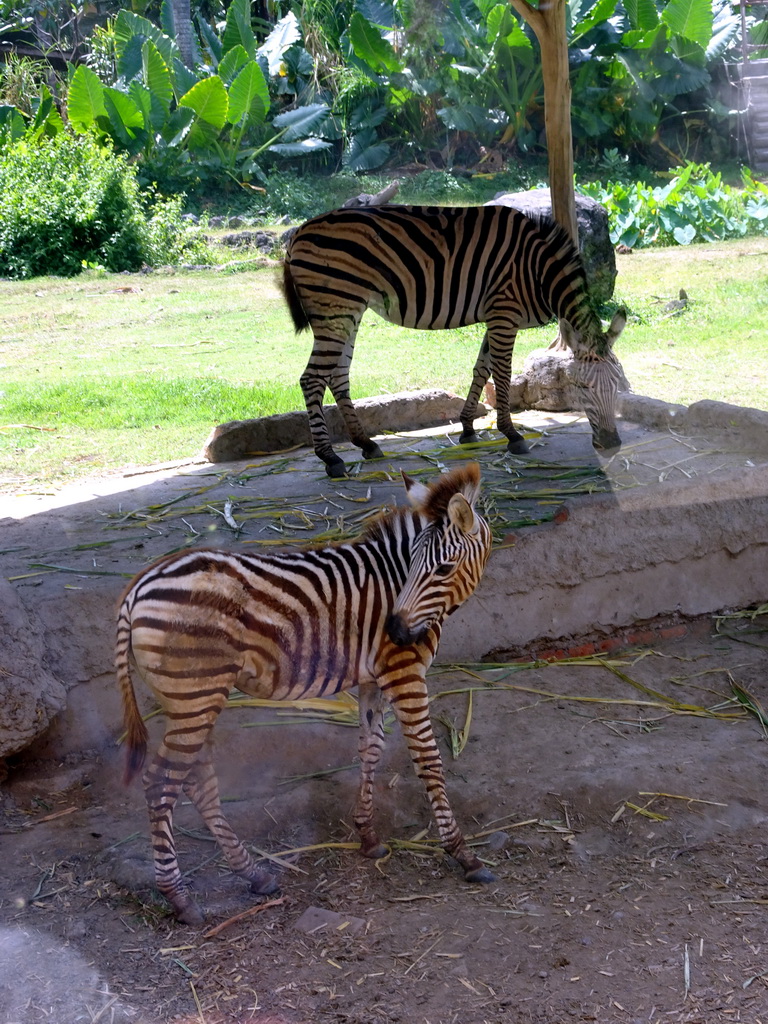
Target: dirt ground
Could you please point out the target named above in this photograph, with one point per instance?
(600, 912)
(620, 804)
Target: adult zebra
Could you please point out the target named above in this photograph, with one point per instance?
(430, 268)
(295, 624)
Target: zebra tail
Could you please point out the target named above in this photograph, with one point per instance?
(136, 730)
(295, 307)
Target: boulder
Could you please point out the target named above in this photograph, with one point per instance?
(30, 696)
(545, 383)
(406, 410)
(594, 238)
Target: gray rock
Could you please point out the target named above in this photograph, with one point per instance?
(30, 696)
(546, 383)
(264, 241)
(407, 410)
(594, 238)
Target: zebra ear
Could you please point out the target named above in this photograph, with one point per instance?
(567, 334)
(461, 515)
(617, 325)
(417, 492)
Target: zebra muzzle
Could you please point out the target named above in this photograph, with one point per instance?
(605, 440)
(400, 633)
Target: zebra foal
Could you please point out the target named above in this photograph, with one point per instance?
(430, 268)
(292, 624)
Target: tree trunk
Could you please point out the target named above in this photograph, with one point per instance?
(548, 23)
(182, 21)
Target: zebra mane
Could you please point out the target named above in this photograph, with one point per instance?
(463, 480)
(556, 236)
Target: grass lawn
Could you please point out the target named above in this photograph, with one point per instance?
(101, 372)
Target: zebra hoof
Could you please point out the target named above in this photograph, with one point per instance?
(373, 452)
(481, 876)
(471, 437)
(374, 852)
(189, 913)
(263, 883)
(337, 469)
(518, 447)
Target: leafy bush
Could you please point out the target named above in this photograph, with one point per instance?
(67, 202)
(696, 205)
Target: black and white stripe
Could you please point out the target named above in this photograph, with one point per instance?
(442, 267)
(294, 624)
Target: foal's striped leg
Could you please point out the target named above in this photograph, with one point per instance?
(187, 734)
(404, 684)
(370, 746)
(202, 787)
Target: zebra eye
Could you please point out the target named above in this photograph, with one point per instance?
(444, 569)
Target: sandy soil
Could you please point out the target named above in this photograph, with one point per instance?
(601, 911)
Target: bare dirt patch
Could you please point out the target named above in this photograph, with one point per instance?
(598, 913)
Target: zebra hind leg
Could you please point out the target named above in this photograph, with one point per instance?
(202, 787)
(501, 365)
(163, 782)
(370, 746)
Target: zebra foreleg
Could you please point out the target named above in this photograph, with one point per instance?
(480, 375)
(410, 701)
(370, 746)
(202, 787)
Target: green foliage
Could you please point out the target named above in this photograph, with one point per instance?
(67, 203)
(696, 205)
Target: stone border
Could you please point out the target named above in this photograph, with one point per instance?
(404, 410)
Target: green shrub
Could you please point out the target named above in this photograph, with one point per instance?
(67, 203)
(695, 206)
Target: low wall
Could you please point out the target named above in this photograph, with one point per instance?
(611, 560)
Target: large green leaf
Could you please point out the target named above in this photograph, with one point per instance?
(209, 101)
(183, 78)
(231, 64)
(238, 31)
(85, 99)
(302, 121)
(12, 121)
(285, 33)
(155, 114)
(128, 25)
(248, 96)
(304, 148)
(368, 44)
(642, 13)
(211, 41)
(123, 120)
(690, 18)
(178, 126)
(602, 11)
(157, 77)
(47, 119)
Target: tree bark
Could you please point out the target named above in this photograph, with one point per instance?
(182, 21)
(548, 24)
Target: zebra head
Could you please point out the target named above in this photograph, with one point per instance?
(597, 373)
(447, 557)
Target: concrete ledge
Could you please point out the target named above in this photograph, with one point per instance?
(405, 410)
(701, 417)
(611, 560)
